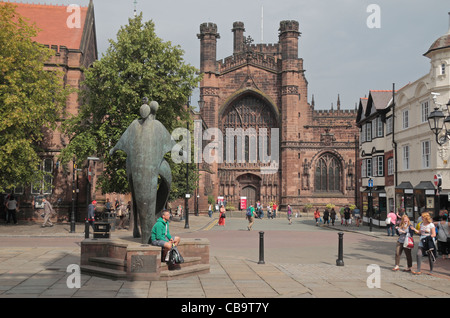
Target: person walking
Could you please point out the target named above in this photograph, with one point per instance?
(269, 212)
(289, 214)
(251, 217)
(357, 214)
(347, 215)
(123, 214)
(332, 216)
(210, 212)
(91, 214)
(274, 210)
(317, 216)
(222, 215)
(11, 207)
(427, 231)
(341, 215)
(405, 229)
(326, 216)
(443, 236)
(48, 212)
(392, 219)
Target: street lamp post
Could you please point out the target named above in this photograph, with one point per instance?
(72, 214)
(439, 123)
(440, 126)
(370, 186)
(187, 196)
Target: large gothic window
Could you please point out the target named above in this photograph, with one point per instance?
(327, 176)
(251, 114)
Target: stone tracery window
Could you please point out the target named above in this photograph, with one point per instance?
(249, 112)
(328, 174)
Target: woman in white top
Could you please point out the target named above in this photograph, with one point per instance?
(427, 228)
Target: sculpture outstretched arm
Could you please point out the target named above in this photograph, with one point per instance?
(124, 140)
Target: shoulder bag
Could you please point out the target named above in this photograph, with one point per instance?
(409, 242)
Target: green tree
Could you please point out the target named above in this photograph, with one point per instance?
(32, 99)
(138, 64)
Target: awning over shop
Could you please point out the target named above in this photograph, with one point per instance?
(405, 185)
(425, 185)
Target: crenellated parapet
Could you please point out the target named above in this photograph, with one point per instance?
(267, 62)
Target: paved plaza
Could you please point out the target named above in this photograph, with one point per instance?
(299, 262)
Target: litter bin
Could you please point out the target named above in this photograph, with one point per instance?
(101, 230)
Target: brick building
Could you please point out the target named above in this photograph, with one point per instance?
(263, 86)
(70, 32)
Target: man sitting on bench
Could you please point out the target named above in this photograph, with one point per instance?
(161, 235)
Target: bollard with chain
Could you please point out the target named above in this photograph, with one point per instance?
(340, 260)
(261, 248)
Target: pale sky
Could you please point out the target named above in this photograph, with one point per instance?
(341, 53)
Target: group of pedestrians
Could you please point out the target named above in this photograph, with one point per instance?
(428, 232)
(252, 213)
(346, 215)
(272, 208)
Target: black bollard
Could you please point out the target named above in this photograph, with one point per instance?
(86, 229)
(261, 248)
(340, 260)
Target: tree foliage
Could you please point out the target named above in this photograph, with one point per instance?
(137, 64)
(32, 99)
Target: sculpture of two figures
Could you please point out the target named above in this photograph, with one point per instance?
(145, 142)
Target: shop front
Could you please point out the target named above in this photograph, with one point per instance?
(404, 200)
(374, 205)
(424, 195)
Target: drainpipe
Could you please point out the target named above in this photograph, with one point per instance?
(394, 143)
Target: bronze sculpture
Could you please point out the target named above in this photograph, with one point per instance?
(145, 142)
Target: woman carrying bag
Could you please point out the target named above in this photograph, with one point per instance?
(404, 243)
(427, 231)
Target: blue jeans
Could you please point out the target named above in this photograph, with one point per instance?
(391, 229)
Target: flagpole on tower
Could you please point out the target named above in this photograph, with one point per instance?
(262, 24)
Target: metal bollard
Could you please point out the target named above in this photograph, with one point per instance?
(261, 248)
(340, 260)
(86, 229)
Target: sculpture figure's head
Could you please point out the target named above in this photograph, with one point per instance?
(146, 110)
(154, 107)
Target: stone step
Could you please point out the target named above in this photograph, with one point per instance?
(103, 272)
(109, 262)
(184, 272)
(188, 261)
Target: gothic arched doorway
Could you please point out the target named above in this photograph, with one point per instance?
(250, 187)
(250, 193)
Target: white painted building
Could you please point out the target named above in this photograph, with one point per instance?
(408, 175)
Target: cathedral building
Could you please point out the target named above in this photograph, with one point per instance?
(261, 92)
